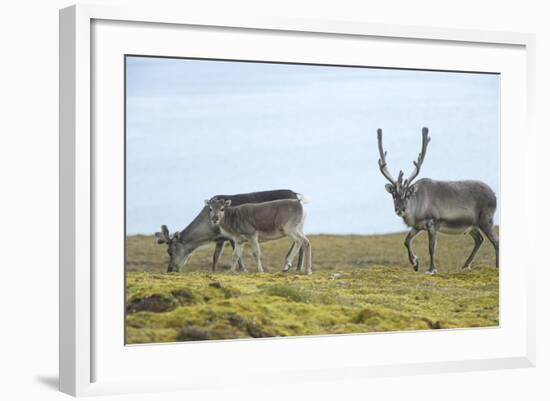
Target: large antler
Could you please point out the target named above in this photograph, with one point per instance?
(382, 161)
(420, 160)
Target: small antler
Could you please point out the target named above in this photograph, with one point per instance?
(382, 161)
(164, 236)
(420, 160)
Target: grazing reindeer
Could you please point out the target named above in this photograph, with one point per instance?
(255, 222)
(201, 231)
(452, 207)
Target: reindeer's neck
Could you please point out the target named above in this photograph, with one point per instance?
(411, 211)
(230, 218)
(200, 231)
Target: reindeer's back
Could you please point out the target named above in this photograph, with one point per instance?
(258, 197)
(272, 215)
(467, 197)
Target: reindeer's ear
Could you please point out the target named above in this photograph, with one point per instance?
(227, 203)
(389, 188)
(412, 190)
(207, 202)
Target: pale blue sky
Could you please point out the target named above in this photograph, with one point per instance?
(197, 128)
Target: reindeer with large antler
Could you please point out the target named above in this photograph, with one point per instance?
(451, 207)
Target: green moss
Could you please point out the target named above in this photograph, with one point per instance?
(289, 292)
(360, 284)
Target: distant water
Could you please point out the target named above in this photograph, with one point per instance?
(200, 128)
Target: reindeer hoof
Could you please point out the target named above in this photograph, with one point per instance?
(431, 272)
(469, 267)
(287, 268)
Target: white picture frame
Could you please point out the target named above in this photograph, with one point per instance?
(79, 227)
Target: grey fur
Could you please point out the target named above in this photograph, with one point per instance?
(255, 222)
(452, 207)
(201, 231)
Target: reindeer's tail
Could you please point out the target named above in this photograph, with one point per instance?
(302, 198)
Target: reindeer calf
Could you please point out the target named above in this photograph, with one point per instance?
(255, 222)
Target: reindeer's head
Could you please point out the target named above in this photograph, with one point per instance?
(177, 252)
(402, 190)
(217, 209)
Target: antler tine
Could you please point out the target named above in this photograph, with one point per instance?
(382, 161)
(418, 163)
(400, 179)
(163, 237)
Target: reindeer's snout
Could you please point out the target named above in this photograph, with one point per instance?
(215, 220)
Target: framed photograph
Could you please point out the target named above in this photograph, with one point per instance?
(294, 200)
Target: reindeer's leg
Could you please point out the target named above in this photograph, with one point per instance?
(217, 253)
(432, 239)
(487, 228)
(408, 243)
(478, 238)
(256, 251)
(300, 264)
(241, 263)
(237, 255)
(287, 266)
(293, 251)
(306, 249)
(303, 246)
(303, 251)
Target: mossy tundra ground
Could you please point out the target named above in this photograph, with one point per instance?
(359, 284)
